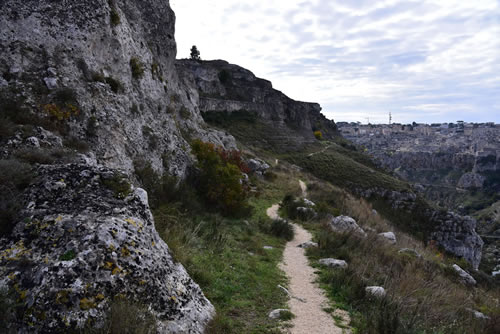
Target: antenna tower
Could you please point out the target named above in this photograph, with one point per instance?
(390, 118)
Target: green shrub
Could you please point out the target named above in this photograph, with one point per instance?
(282, 229)
(318, 135)
(77, 144)
(118, 185)
(219, 180)
(137, 68)
(152, 138)
(7, 128)
(116, 85)
(68, 256)
(224, 76)
(289, 206)
(114, 18)
(185, 114)
(286, 315)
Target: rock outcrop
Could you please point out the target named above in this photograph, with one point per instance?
(228, 88)
(105, 71)
(346, 224)
(457, 235)
(87, 237)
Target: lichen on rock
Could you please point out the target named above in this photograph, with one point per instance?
(79, 246)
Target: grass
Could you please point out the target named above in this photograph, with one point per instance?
(424, 294)
(226, 256)
(345, 168)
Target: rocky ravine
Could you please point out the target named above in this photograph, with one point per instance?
(85, 239)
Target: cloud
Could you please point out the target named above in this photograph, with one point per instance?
(424, 61)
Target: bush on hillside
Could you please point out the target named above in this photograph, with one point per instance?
(282, 229)
(318, 135)
(219, 179)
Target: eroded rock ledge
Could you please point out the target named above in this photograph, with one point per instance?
(86, 239)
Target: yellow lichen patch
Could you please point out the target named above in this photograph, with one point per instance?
(87, 304)
(125, 252)
(174, 298)
(62, 297)
(99, 297)
(153, 244)
(111, 247)
(12, 276)
(59, 218)
(132, 243)
(108, 265)
(15, 253)
(131, 221)
(142, 282)
(116, 270)
(21, 293)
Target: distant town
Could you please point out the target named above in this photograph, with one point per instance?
(480, 139)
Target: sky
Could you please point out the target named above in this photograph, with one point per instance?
(424, 61)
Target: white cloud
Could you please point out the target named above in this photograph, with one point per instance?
(361, 57)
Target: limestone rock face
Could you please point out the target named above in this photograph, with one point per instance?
(225, 87)
(114, 62)
(83, 241)
(457, 235)
(471, 181)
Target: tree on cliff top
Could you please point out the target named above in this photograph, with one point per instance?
(195, 54)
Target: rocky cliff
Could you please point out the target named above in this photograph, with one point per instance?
(106, 70)
(92, 82)
(225, 88)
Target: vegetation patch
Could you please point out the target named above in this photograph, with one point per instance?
(220, 176)
(424, 294)
(137, 68)
(118, 185)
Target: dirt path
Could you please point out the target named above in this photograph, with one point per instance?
(308, 300)
(303, 187)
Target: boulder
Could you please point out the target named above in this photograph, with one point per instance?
(268, 247)
(309, 203)
(478, 315)
(409, 251)
(88, 236)
(276, 314)
(375, 291)
(257, 165)
(346, 224)
(333, 263)
(465, 277)
(389, 237)
(308, 244)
